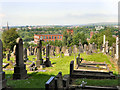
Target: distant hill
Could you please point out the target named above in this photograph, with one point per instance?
(104, 23)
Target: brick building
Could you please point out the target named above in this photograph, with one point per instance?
(70, 31)
(47, 37)
(91, 34)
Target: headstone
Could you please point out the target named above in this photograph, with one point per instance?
(67, 53)
(47, 62)
(57, 50)
(117, 47)
(114, 50)
(59, 81)
(70, 50)
(25, 54)
(63, 49)
(20, 71)
(74, 49)
(39, 54)
(28, 52)
(8, 57)
(2, 73)
(80, 47)
(35, 51)
(90, 49)
(85, 47)
(43, 51)
(30, 49)
(107, 48)
(103, 44)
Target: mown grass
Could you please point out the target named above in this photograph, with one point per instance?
(38, 79)
(95, 82)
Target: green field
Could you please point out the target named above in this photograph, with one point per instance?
(38, 79)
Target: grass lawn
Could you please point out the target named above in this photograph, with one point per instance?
(38, 79)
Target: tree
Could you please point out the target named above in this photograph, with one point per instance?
(79, 36)
(98, 38)
(9, 38)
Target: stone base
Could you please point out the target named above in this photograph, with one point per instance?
(3, 81)
(20, 72)
(33, 68)
(39, 62)
(67, 54)
(47, 62)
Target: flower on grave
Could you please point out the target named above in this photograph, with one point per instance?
(83, 83)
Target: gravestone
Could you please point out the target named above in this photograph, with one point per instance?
(59, 81)
(25, 54)
(107, 48)
(80, 47)
(103, 44)
(89, 49)
(74, 49)
(43, 51)
(117, 47)
(8, 57)
(85, 47)
(70, 50)
(39, 54)
(114, 50)
(63, 49)
(3, 81)
(67, 53)
(57, 50)
(30, 49)
(47, 62)
(20, 71)
(35, 51)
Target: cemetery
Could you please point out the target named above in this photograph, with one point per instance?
(76, 67)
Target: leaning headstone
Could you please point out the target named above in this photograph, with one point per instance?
(39, 54)
(2, 73)
(47, 62)
(20, 71)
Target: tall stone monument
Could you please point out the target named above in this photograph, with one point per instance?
(2, 73)
(25, 54)
(39, 53)
(117, 47)
(47, 62)
(20, 71)
(103, 44)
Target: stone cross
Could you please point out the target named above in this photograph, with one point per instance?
(2, 74)
(20, 71)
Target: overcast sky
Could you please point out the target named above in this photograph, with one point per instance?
(42, 12)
